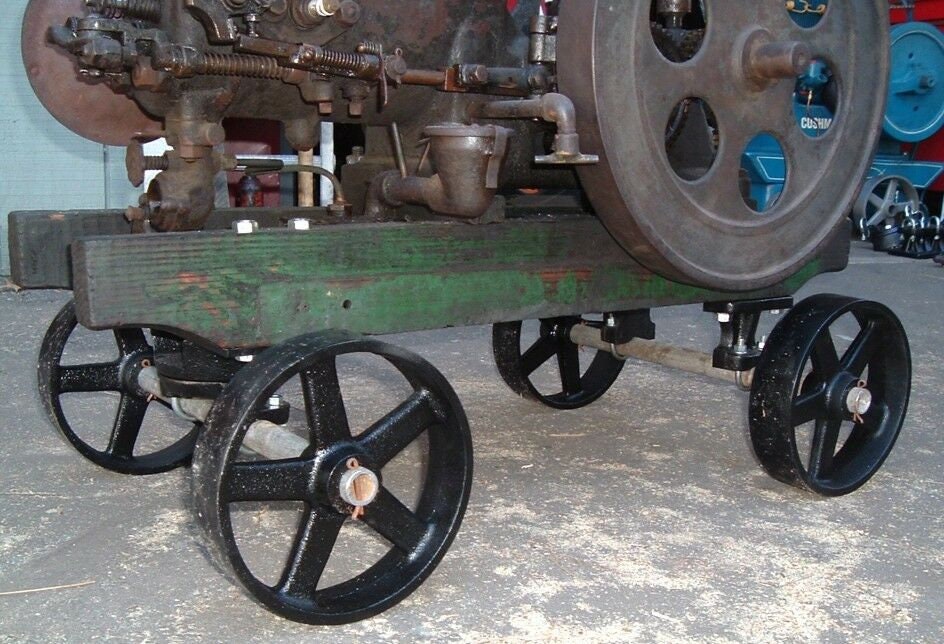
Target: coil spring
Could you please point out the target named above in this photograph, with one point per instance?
(149, 10)
(241, 65)
(341, 60)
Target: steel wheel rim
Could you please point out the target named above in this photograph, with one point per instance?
(53, 383)
(881, 346)
(396, 575)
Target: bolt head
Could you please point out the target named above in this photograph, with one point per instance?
(299, 224)
(245, 226)
(859, 401)
(724, 318)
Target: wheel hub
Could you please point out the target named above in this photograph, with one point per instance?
(859, 401)
(359, 486)
(346, 480)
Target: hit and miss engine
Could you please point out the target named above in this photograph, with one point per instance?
(646, 106)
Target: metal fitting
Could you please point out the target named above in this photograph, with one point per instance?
(359, 487)
(299, 224)
(245, 226)
(859, 401)
(323, 8)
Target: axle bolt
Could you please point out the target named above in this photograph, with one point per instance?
(859, 401)
(359, 486)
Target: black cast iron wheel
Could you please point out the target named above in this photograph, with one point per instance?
(851, 406)
(119, 376)
(579, 387)
(418, 539)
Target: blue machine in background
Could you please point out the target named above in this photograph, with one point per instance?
(890, 209)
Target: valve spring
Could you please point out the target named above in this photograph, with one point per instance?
(241, 65)
(149, 10)
(342, 60)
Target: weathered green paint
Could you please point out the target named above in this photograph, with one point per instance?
(257, 290)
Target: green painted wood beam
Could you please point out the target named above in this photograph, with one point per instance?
(250, 291)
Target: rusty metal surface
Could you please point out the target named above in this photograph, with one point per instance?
(91, 110)
(702, 231)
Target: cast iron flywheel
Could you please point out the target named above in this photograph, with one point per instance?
(702, 230)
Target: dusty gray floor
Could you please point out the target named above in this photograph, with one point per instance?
(643, 518)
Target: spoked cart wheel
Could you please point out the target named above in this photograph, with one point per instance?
(119, 376)
(339, 478)
(822, 421)
(518, 364)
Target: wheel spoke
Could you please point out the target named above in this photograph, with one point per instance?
(861, 350)
(394, 432)
(824, 447)
(877, 202)
(324, 405)
(873, 419)
(825, 357)
(809, 406)
(395, 522)
(317, 534)
(568, 361)
(891, 192)
(124, 434)
(90, 378)
(542, 351)
(268, 481)
(131, 340)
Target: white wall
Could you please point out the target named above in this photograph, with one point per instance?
(43, 165)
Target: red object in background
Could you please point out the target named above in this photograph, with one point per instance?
(251, 136)
(925, 11)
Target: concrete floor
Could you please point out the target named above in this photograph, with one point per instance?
(642, 518)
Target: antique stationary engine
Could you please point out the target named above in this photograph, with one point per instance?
(503, 101)
(538, 163)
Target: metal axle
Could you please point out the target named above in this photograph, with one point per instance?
(263, 437)
(654, 352)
